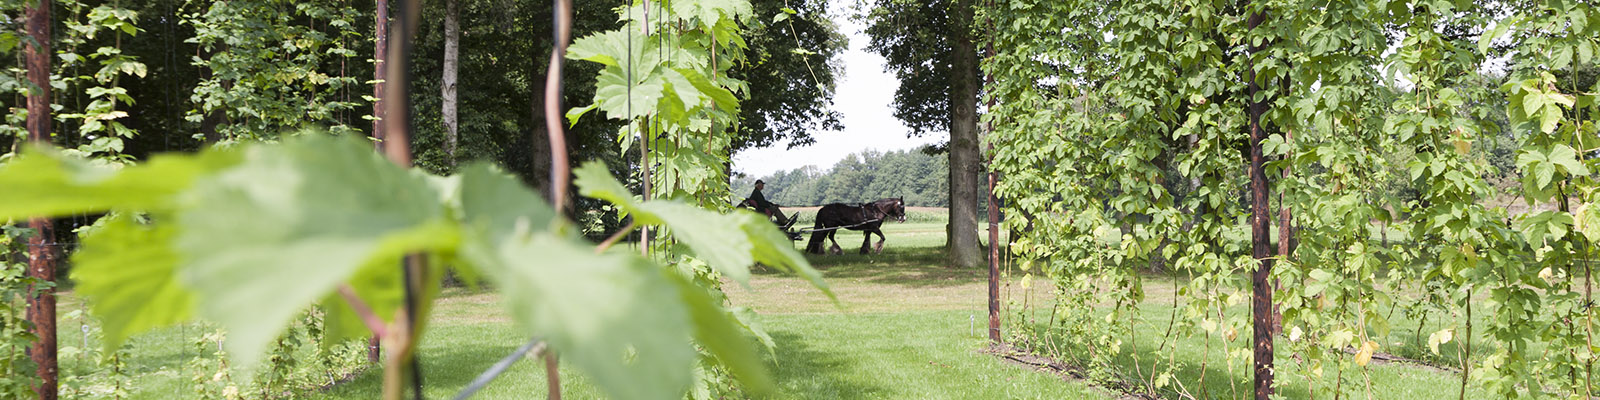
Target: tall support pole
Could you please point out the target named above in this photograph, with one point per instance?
(1261, 247)
(379, 57)
(396, 146)
(994, 210)
(994, 256)
(41, 247)
(379, 75)
(560, 167)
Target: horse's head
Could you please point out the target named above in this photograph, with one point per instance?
(893, 208)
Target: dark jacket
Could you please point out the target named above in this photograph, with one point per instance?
(760, 201)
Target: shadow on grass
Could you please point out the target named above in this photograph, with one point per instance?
(917, 267)
(819, 372)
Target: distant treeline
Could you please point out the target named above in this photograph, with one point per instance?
(922, 179)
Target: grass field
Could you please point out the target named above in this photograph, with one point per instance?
(905, 327)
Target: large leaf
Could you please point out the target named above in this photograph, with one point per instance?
(1587, 221)
(499, 204)
(264, 240)
(128, 272)
(594, 308)
(715, 330)
(771, 248)
(595, 181)
(45, 183)
(715, 238)
(730, 243)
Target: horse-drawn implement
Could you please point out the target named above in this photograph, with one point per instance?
(867, 217)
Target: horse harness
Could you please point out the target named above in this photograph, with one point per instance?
(805, 231)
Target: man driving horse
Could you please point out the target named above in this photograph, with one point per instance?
(766, 207)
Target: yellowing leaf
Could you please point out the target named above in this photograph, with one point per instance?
(1437, 338)
(1364, 356)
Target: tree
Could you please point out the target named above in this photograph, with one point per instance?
(929, 47)
(41, 253)
(794, 62)
(447, 83)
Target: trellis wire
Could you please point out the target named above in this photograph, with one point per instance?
(536, 346)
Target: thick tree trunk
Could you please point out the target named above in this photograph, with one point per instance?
(1261, 301)
(447, 85)
(963, 247)
(380, 58)
(41, 247)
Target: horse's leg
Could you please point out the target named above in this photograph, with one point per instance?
(879, 248)
(835, 249)
(866, 241)
(817, 239)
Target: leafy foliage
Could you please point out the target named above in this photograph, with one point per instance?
(17, 376)
(324, 212)
(1140, 133)
(266, 62)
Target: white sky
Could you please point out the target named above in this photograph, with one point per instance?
(864, 97)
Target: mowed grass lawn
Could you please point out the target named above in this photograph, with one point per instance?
(905, 328)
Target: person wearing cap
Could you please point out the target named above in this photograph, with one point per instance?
(766, 207)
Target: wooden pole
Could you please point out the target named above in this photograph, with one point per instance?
(396, 146)
(380, 54)
(379, 74)
(41, 247)
(1261, 300)
(994, 216)
(560, 167)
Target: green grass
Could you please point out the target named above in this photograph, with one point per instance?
(905, 327)
(905, 330)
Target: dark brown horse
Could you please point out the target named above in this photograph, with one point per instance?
(866, 217)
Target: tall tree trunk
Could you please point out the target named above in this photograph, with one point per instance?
(380, 57)
(447, 84)
(1261, 301)
(963, 247)
(380, 60)
(41, 247)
